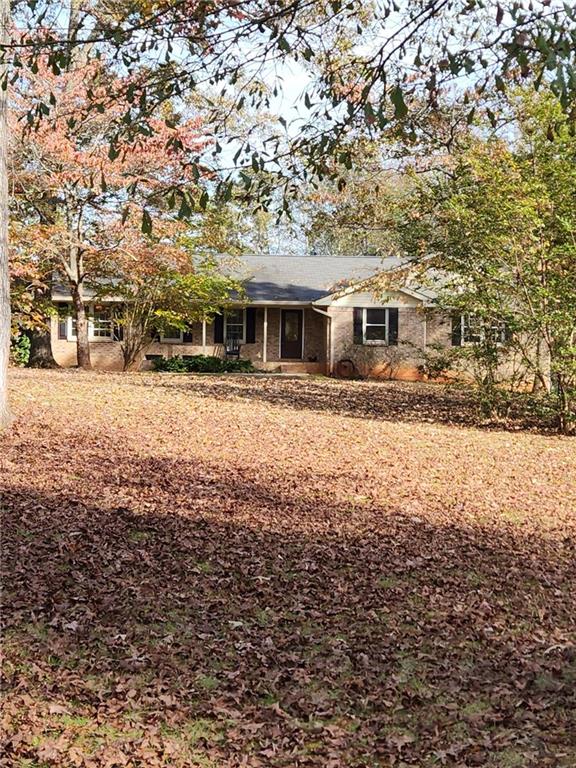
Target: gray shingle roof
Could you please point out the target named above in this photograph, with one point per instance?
(306, 278)
(280, 278)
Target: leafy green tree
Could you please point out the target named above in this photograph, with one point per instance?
(499, 231)
(159, 296)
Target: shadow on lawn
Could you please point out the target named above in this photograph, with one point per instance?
(178, 630)
(384, 400)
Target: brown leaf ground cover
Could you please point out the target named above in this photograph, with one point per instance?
(230, 572)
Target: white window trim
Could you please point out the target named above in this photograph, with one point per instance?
(172, 339)
(70, 336)
(463, 343)
(465, 319)
(243, 339)
(375, 342)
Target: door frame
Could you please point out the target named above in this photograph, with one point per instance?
(303, 314)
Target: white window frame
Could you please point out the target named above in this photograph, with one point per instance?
(243, 339)
(71, 336)
(465, 323)
(375, 342)
(466, 320)
(172, 339)
(91, 334)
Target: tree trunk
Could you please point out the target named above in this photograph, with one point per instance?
(5, 417)
(565, 414)
(82, 344)
(41, 349)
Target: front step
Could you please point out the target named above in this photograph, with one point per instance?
(301, 367)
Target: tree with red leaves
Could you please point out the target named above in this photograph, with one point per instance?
(79, 217)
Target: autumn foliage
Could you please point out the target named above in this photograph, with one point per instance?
(83, 211)
(230, 572)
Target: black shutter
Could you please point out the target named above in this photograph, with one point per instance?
(250, 325)
(218, 329)
(456, 330)
(187, 336)
(358, 313)
(393, 326)
(118, 332)
(62, 328)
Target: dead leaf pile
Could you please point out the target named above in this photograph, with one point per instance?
(197, 573)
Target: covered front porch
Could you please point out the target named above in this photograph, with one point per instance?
(282, 337)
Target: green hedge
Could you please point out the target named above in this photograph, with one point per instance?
(202, 364)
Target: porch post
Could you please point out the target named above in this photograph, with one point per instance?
(203, 337)
(265, 339)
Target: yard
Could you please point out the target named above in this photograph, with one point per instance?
(223, 572)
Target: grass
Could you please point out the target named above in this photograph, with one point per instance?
(226, 572)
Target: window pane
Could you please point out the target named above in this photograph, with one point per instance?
(101, 325)
(170, 332)
(377, 316)
(472, 331)
(234, 331)
(235, 317)
(292, 326)
(235, 324)
(498, 332)
(375, 333)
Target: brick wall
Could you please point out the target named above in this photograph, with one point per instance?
(107, 355)
(415, 330)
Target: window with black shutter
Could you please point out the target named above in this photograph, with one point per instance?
(468, 329)
(376, 326)
(235, 325)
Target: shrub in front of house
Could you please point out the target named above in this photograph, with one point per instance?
(202, 364)
(19, 349)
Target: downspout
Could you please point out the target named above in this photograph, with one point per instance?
(329, 345)
(265, 340)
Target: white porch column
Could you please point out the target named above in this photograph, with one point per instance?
(203, 337)
(265, 340)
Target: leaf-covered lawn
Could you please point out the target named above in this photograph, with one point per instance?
(240, 572)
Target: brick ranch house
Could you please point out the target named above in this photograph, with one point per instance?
(299, 318)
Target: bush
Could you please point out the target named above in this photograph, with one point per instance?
(19, 349)
(202, 364)
(438, 361)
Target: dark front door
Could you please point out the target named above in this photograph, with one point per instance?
(291, 334)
